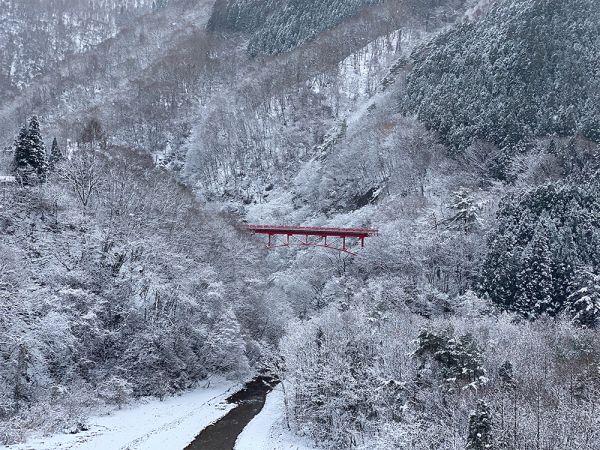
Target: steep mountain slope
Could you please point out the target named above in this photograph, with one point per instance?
(426, 338)
(444, 237)
(36, 35)
(157, 54)
(292, 105)
(527, 69)
(278, 26)
(146, 82)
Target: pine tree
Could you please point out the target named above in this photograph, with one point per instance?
(480, 428)
(22, 164)
(465, 210)
(500, 271)
(37, 149)
(505, 373)
(584, 302)
(535, 279)
(55, 155)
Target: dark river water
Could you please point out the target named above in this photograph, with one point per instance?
(222, 434)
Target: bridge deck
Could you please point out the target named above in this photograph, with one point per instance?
(313, 231)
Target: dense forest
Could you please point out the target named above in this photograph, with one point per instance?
(526, 70)
(288, 23)
(466, 132)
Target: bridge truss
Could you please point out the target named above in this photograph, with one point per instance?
(331, 238)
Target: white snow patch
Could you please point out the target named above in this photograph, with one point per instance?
(268, 431)
(150, 425)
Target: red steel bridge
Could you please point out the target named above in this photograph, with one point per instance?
(331, 238)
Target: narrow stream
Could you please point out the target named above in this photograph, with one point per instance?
(222, 434)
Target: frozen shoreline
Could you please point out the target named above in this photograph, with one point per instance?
(147, 424)
(267, 431)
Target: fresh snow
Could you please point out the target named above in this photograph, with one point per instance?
(150, 425)
(268, 431)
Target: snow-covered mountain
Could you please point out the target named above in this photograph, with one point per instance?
(465, 131)
(36, 35)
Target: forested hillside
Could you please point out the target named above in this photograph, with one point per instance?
(466, 132)
(35, 35)
(526, 70)
(545, 249)
(111, 288)
(278, 26)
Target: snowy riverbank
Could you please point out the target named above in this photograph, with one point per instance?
(267, 431)
(148, 425)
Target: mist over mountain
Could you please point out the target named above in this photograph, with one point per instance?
(139, 139)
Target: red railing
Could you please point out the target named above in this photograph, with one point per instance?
(290, 232)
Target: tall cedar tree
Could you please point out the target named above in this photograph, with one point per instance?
(535, 279)
(39, 161)
(55, 155)
(30, 153)
(22, 165)
(480, 428)
(584, 302)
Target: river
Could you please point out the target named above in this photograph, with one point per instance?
(222, 434)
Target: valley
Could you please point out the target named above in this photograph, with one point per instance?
(190, 180)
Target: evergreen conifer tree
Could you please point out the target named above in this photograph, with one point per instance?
(459, 359)
(30, 161)
(565, 259)
(501, 269)
(37, 149)
(480, 428)
(22, 163)
(465, 210)
(584, 302)
(505, 373)
(535, 279)
(55, 155)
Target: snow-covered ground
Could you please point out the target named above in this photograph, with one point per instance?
(267, 431)
(150, 425)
